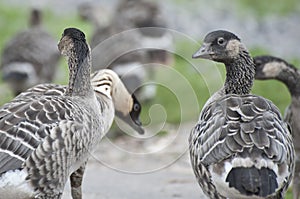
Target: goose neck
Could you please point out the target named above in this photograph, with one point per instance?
(291, 78)
(239, 74)
(80, 70)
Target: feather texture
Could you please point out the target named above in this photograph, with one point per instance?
(240, 148)
(269, 67)
(30, 57)
(49, 131)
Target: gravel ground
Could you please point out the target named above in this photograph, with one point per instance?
(149, 167)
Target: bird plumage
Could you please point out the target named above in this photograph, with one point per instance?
(104, 81)
(269, 67)
(49, 131)
(240, 147)
(30, 57)
(37, 134)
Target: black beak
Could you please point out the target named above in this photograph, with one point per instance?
(203, 52)
(133, 118)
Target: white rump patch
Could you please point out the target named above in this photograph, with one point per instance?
(23, 68)
(162, 43)
(132, 68)
(13, 185)
(219, 179)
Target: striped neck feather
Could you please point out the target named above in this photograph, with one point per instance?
(103, 85)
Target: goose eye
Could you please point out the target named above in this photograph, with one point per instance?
(136, 107)
(221, 41)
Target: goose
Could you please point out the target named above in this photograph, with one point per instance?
(240, 148)
(47, 135)
(30, 57)
(100, 19)
(147, 19)
(270, 67)
(135, 38)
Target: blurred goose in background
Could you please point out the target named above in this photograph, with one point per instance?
(99, 17)
(240, 148)
(269, 67)
(48, 132)
(135, 38)
(30, 57)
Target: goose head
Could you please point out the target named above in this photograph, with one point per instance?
(72, 42)
(127, 108)
(221, 46)
(225, 47)
(269, 67)
(35, 18)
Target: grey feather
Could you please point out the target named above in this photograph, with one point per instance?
(269, 67)
(58, 130)
(30, 57)
(238, 132)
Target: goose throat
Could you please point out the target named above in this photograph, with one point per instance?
(80, 70)
(239, 76)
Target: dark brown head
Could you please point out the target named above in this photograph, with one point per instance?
(225, 47)
(269, 67)
(221, 46)
(35, 18)
(72, 40)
